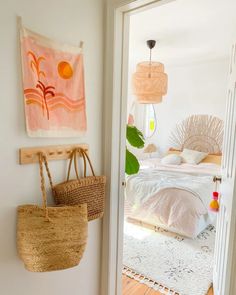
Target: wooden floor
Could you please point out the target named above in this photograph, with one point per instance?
(132, 287)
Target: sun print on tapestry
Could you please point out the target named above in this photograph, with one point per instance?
(53, 82)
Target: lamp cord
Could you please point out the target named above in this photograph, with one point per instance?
(150, 63)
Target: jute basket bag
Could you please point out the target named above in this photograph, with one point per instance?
(51, 238)
(87, 189)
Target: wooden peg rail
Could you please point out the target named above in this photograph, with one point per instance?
(56, 152)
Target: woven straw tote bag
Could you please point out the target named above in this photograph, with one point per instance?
(87, 189)
(51, 238)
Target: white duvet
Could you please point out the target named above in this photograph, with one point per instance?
(177, 201)
(202, 168)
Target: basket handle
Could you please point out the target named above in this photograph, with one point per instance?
(85, 156)
(43, 160)
(69, 168)
(75, 162)
(73, 157)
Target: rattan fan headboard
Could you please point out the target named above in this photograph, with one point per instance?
(199, 132)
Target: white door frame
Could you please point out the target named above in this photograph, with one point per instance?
(115, 103)
(115, 88)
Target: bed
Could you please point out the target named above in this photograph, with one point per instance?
(176, 197)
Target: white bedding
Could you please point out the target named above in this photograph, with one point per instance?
(202, 168)
(175, 197)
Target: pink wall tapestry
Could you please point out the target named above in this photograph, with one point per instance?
(53, 83)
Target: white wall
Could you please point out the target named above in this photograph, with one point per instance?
(193, 88)
(195, 61)
(63, 20)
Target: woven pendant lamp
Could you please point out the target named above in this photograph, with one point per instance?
(149, 80)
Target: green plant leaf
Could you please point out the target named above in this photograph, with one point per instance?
(131, 164)
(134, 136)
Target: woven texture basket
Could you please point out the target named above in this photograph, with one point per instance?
(51, 238)
(87, 189)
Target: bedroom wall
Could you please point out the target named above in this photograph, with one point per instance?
(68, 21)
(194, 88)
(187, 34)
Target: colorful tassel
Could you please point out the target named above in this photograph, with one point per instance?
(214, 204)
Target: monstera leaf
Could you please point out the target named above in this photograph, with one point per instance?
(135, 138)
(131, 164)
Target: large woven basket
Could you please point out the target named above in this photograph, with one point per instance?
(87, 189)
(51, 238)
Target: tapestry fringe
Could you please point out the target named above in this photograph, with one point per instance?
(148, 282)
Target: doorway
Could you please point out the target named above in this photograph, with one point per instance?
(118, 146)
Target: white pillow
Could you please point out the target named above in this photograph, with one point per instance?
(192, 157)
(171, 159)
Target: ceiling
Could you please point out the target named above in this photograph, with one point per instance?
(186, 31)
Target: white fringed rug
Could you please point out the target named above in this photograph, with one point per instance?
(167, 262)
